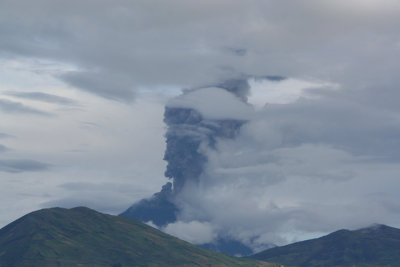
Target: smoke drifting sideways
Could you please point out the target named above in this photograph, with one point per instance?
(196, 122)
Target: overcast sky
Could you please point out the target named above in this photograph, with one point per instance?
(83, 85)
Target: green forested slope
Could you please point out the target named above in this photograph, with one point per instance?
(83, 237)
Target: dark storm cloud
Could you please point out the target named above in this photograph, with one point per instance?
(44, 97)
(153, 43)
(22, 165)
(12, 107)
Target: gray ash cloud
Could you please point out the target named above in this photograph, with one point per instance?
(189, 134)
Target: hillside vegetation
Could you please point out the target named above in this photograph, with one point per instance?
(84, 237)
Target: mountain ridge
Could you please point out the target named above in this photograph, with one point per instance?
(376, 245)
(83, 237)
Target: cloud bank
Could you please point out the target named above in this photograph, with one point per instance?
(187, 43)
(318, 151)
(283, 172)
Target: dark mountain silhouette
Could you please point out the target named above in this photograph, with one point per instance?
(84, 237)
(378, 245)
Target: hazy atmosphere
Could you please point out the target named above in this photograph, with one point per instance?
(84, 86)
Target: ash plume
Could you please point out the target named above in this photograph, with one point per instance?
(194, 126)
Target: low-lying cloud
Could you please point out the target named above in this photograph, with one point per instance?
(194, 231)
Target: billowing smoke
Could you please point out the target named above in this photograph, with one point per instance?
(244, 175)
(196, 121)
(236, 166)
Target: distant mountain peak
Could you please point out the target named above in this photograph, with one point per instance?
(375, 245)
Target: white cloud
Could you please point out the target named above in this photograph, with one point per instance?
(213, 103)
(150, 223)
(264, 92)
(194, 231)
(297, 170)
